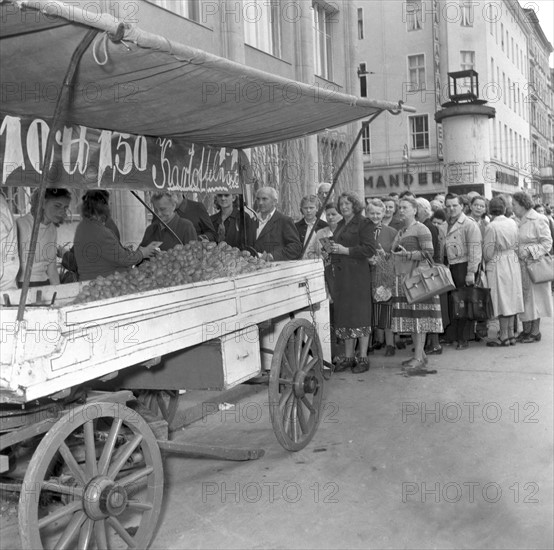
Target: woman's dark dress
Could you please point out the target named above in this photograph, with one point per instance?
(349, 276)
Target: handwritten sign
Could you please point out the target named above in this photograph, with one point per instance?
(88, 158)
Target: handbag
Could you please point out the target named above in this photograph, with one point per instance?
(459, 303)
(424, 282)
(480, 301)
(480, 304)
(473, 303)
(542, 269)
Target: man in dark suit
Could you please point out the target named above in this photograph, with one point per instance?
(196, 213)
(309, 206)
(276, 233)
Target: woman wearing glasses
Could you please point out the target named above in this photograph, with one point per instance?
(44, 271)
(228, 224)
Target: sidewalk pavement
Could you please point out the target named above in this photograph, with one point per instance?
(459, 459)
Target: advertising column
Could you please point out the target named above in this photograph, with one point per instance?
(466, 147)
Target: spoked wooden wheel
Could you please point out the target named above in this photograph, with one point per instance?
(296, 385)
(95, 481)
(160, 402)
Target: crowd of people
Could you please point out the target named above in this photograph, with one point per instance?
(468, 234)
(368, 249)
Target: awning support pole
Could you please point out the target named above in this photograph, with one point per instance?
(365, 124)
(62, 105)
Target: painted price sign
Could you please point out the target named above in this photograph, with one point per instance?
(87, 157)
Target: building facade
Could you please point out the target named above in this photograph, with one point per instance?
(411, 46)
(305, 41)
(540, 90)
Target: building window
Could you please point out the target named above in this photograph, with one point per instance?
(494, 140)
(509, 93)
(363, 85)
(323, 17)
(419, 131)
(262, 27)
(467, 60)
(466, 9)
(186, 8)
(500, 142)
(467, 63)
(506, 152)
(414, 20)
(366, 140)
(360, 23)
(416, 72)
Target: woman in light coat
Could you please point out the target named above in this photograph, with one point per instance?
(534, 242)
(502, 269)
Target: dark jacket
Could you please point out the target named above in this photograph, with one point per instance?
(196, 213)
(99, 252)
(358, 236)
(238, 233)
(279, 238)
(158, 232)
(302, 228)
(349, 276)
(435, 236)
(396, 223)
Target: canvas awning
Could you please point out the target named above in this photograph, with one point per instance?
(148, 85)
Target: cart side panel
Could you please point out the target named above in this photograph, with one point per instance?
(99, 338)
(215, 365)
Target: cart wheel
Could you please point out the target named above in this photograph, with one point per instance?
(112, 495)
(296, 385)
(160, 402)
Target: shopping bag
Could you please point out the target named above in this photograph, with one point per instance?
(472, 303)
(479, 297)
(459, 303)
(542, 269)
(427, 281)
(479, 303)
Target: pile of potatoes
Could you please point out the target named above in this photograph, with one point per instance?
(190, 263)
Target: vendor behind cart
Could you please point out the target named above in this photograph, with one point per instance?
(98, 251)
(45, 270)
(181, 230)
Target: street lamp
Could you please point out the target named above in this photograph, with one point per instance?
(406, 162)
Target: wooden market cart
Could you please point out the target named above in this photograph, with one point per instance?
(87, 463)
